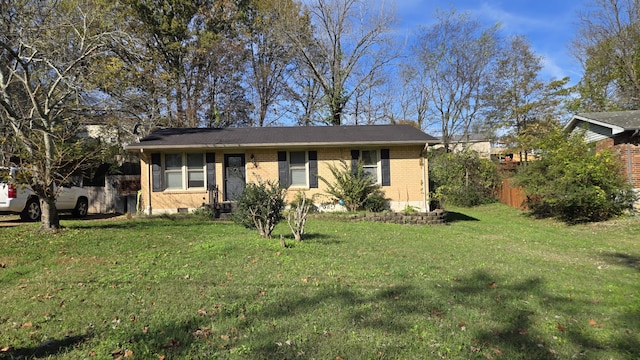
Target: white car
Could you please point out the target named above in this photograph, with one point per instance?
(16, 198)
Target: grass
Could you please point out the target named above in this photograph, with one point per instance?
(491, 284)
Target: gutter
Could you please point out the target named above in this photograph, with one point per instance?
(140, 147)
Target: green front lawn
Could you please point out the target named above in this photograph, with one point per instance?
(492, 284)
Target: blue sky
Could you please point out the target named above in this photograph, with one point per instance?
(548, 24)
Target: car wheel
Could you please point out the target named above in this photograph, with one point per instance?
(32, 211)
(82, 208)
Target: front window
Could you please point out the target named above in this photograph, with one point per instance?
(370, 163)
(181, 169)
(298, 168)
(195, 171)
(173, 171)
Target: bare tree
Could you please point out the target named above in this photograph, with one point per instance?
(48, 48)
(271, 55)
(455, 54)
(351, 37)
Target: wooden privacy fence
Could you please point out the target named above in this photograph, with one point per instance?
(511, 195)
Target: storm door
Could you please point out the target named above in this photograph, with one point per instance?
(234, 176)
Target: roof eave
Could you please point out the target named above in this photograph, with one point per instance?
(141, 147)
(615, 130)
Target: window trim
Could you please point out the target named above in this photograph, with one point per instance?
(377, 165)
(184, 172)
(306, 169)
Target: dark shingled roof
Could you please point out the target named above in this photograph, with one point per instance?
(628, 120)
(252, 137)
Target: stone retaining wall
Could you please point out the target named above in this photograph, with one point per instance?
(431, 218)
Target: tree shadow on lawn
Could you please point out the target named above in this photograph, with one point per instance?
(527, 322)
(45, 349)
(628, 260)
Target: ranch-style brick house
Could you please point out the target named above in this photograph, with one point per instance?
(184, 168)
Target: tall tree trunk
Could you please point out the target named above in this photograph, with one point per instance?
(49, 220)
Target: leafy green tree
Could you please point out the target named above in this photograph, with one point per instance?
(260, 207)
(573, 182)
(519, 102)
(353, 186)
(608, 45)
(462, 178)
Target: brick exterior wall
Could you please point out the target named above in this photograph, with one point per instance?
(627, 149)
(406, 170)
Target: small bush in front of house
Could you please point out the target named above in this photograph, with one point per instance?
(376, 202)
(352, 186)
(297, 217)
(573, 182)
(462, 178)
(260, 207)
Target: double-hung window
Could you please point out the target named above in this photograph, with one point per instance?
(369, 160)
(184, 171)
(195, 171)
(375, 162)
(298, 168)
(173, 171)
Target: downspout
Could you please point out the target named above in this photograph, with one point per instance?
(148, 207)
(425, 179)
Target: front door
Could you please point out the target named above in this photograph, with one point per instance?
(234, 176)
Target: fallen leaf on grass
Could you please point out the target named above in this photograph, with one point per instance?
(26, 325)
(203, 333)
(493, 285)
(172, 344)
(6, 348)
(128, 353)
(561, 328)
(594, 323)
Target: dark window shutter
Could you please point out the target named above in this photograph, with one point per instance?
(386, 168)
(211, 170)
(283, 169)
(156, 172)
(355, 155)
(313, 169)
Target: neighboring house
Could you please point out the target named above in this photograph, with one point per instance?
(615, 130)
(475, 142)
(181, 167)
